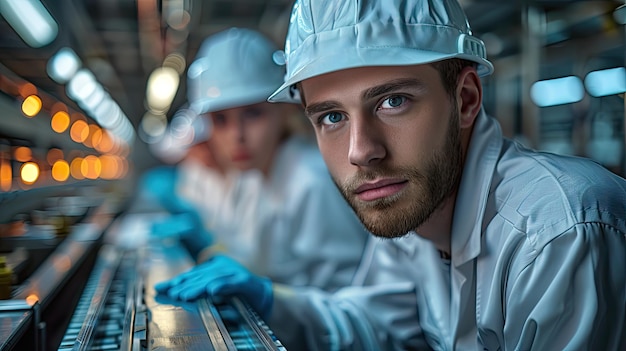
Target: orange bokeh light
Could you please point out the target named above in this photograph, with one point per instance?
(31, 105)
(60, 170)
(60, 121)
(79, 131)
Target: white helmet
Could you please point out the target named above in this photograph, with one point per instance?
(331, 35)
(233, 68)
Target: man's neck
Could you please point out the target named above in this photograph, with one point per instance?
(438, 227)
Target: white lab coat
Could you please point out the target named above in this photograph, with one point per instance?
(293, 227)
(538, 263)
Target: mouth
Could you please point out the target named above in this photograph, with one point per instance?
(241, 156)
(380, 189)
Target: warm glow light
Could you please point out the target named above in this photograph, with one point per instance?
(22, 154)
(96, 137)
(32, 299)
(75, 168)
(60, 171)
(161, 88)
(79, 131)
(106, 143)
(60, 121)
(53, 155)
(31, 106)
(27, 89)
(109, 166)
(91, 167)
(93, 129)
(6, 175)
(29, 172)
(62, 263)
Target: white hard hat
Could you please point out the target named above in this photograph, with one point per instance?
(331, 35)
(233, 68)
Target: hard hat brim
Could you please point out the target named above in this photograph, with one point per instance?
(375, 57)
(375, 44)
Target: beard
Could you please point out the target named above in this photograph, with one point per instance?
(428, 187)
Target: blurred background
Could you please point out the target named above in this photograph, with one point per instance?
(92, 95)
(91, 85)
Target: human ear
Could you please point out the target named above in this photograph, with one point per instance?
(469, 96)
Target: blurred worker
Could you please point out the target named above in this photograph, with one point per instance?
(165, 187)
(279, 213)
(496, 247)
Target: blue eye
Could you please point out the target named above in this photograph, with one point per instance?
(393, 101)
(331, 118)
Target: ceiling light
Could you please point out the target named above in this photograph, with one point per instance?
(162, 87)
(557, 91)
(63, 65)
(606, 82)
(31, 20)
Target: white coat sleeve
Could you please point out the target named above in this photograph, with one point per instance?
(378, 317)
(571, 295)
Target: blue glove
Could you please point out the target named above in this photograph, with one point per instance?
(219, 277)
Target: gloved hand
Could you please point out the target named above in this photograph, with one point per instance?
(219, 277)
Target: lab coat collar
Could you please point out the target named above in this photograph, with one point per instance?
(482, 156)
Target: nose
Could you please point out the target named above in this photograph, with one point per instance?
(240, 129)
(366, 143)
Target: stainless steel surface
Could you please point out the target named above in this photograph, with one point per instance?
(120, 310)
(173, 325)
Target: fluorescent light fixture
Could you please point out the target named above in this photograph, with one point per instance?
(124, 130)
(31, 20)
(557, 91)
(63, 65)
(93, 100)
(82, 85)
(105, 109)
(605, 82)
(110, 115)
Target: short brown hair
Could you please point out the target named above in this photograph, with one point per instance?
(449, 72)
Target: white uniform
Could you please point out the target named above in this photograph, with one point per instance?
(293, 227)
(538, 263)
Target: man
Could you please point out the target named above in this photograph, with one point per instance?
(495, 247)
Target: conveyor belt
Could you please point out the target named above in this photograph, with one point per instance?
(117, 312)
(234, 325)
(98, 320)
